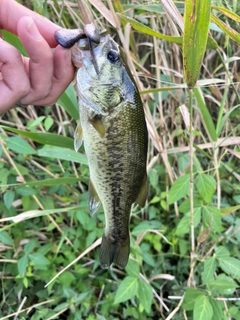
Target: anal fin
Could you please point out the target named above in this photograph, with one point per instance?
(93, 198)
(142, 196)
(78, 137)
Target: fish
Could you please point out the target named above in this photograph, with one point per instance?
(113, 129)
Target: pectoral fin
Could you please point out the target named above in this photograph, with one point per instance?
(98, 125)
(142, 196)
(93, 199)
(78, 137)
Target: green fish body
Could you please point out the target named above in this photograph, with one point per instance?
(113, 128)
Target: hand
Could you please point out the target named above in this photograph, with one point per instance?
(41, 78)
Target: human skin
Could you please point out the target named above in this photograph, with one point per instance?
(41, 78)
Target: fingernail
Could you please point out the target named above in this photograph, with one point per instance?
(33, 30)
(68, 57)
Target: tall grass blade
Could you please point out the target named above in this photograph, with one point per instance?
(14, 41)
(52, 139)
(205, 114)
(68, 101)
(233, 34)
(227, 13)
(62, 153)
(146, 30)
(196, 26)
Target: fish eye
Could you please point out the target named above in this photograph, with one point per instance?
(113, 56)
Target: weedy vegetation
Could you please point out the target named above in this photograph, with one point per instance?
(185, 258)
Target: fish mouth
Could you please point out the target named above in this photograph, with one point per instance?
(89, 47)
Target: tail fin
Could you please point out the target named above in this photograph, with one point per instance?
(117, 253)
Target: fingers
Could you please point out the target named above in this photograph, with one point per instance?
(39, 79)
(49, 73)
(11, 12)
(40, 63)
(14, 83)
(63, 74)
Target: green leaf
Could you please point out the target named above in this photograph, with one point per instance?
(35, 122)
(48, 122)
(206, 186)
(14, 41)
(179, 189)
(128, 289)
(222, 252)
(57, 181)
(227, 13)
(61, 306)
(231, 266)
(145, 295)
(146, 225)
(19, 145)
(233, 34)
(132, 268)
(157, 8)
(25, 282)
(63, 154)
(22, 265)
(40, 213)
(205, 114)
(228, 210)
(28, 248)
(90, 238)
(185, 205)
(4, 173)
(196, 27)
(82, 296)
(25, 191)
(222, 285)
(39, 261)
(190, 297)
(146, 30)
(202, 309)
(210, 266)
(223, 120)
(217, 309)
(8, 198)
(184, 224)
(212, 217)
(5, 238)
(51, 139)
(23, 170)
(68, 101)
(49, 182)
(66, 278)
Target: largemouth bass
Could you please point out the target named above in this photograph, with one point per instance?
(113, 128)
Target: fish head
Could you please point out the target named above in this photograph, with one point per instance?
(107, 55)
(100, 87)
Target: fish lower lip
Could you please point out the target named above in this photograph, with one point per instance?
(92, 105)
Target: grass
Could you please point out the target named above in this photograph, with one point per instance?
(185, 260)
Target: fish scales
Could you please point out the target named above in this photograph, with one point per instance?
(115, 140)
